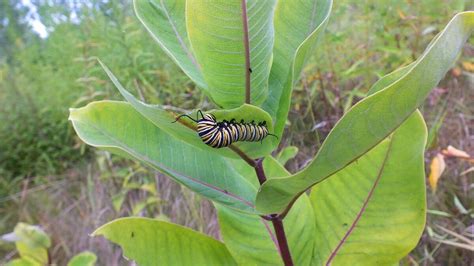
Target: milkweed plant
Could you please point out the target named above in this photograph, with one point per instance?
(361, 200)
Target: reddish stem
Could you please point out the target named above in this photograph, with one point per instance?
(276, 220)
(282, 242)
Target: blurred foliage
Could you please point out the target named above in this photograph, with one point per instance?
(41, 78)
(33, 243)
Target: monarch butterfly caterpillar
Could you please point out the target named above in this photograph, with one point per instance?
(219, 134)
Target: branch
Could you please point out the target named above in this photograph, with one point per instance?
(248, 70)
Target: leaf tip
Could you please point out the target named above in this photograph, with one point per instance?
(97, 232)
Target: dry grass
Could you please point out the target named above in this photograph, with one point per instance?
(71, 206)
(456, 101)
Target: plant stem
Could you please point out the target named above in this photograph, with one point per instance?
(282, 243)
(243, 155)
(277, 221)
(260, 172)
(247, 51)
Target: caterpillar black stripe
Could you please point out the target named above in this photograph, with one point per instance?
(219, 134)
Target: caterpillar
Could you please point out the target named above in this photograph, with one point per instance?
(219, 134)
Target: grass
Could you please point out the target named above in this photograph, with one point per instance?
(72, 205)
(364, 42)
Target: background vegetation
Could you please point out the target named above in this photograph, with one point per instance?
(48, 177)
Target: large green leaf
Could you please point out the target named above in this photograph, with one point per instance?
(299, 25)
(373, 211)
(164, 120)
(216, 33)
(374, 118)
(165, 21)
(153, 242)
(251, 239)
(117, 127)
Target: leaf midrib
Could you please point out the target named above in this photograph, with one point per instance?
(364, 206)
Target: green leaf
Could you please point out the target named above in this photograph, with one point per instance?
(388, 79)
(153, 242)
(117, 127)
(286, 154)
(32, 244)
(138, 207)
(164, 120)
(165, 21)
(32, 236)
(216, 33)
(371, 120)
(251, 239)
(298, 28)
(118, 199)
(85, 258)
(373, 211)
(23, 262)
(37, 254)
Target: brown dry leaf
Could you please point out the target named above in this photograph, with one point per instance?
(436, 170)
(453, 152)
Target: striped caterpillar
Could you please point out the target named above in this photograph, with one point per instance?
(219, 134)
